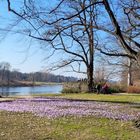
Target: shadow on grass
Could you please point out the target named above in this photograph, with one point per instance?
(88, 100)
(132, 104)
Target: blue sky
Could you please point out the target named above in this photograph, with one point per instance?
(16, 50)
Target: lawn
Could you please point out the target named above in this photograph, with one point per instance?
(118, 98)
(24, 126)
(56, 118)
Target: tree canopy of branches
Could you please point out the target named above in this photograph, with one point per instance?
(75, 27)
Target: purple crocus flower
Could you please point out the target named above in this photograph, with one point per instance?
(55, 107)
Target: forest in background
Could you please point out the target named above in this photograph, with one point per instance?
(13, 77)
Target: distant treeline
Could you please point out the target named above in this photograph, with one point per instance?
(37, 76)
(7, 76)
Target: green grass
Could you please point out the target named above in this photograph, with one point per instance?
(24, 126)
(110, 98)
(116, 98)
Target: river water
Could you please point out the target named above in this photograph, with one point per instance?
(31, 90)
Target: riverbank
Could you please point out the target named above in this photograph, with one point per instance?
(26, 84)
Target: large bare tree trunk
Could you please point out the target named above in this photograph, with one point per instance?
(90, 68)
(90, 79)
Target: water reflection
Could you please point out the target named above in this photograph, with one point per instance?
(6, 91)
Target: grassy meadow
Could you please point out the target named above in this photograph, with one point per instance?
(28, 126)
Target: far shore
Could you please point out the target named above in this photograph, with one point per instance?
(27, 84)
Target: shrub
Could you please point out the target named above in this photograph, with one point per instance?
(71, 90)
(116, 88)
(74, 87)
(133, 89)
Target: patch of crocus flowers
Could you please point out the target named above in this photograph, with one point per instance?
(56, 107)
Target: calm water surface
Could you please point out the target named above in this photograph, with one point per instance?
(52, 89)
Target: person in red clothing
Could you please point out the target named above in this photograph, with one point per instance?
(105, 88)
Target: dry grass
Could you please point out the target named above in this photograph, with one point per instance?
(133, 89)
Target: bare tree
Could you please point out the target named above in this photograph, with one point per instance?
(130, 72)
(5, 72)
(65, 31)
(72, 26)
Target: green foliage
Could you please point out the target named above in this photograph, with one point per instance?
(115, 88)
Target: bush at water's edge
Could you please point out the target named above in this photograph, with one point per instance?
(74, 87)
(77, 87)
